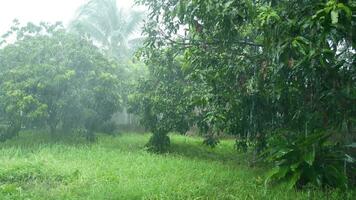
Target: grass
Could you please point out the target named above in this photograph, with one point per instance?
(37, 166)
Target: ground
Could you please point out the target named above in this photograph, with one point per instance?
(39, 166)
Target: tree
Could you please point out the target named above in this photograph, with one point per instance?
(160, 100)
(109, 26)
(52, 78)
(261, 66)
(256, 76)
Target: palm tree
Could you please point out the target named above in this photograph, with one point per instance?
(109, 26)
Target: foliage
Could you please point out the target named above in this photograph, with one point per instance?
(306, 159)
(257, 66)
(241, 145)
(51, 78)
(158, 143)
(109, 26)
(160, 99)
(239, 67)
(114, 31)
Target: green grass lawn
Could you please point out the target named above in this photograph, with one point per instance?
(37, 166)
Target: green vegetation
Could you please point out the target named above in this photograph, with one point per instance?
(51, 78)
(253, 69)
(38, 166)
(307, 159)
(276, 77)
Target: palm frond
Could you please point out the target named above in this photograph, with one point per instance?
(86, 28)
(107, 24)
(133, 22)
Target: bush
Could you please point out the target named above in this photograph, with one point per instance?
(158, 143)
(300, 160)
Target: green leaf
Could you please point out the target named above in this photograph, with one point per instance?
(293, 179)
(309, 157)
(282, 152)
(282, 172)
(295, 166)
(346, 9)
(334, 17)
(271, 173)
(334, 176)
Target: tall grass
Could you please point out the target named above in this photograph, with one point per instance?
(40, 166)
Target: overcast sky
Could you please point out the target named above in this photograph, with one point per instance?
(41, 10)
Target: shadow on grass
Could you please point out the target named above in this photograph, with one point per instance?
(189, 147)
(195, 149)
(128, 142)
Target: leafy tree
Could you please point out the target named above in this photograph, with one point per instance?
(160, 100)
(259, 66)
(56, 79)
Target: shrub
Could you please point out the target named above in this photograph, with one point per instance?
(158, 143)
(299, 160)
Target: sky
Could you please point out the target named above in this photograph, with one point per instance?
(41, 10)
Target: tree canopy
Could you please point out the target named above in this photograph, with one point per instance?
(260, 65)
(52, 78)
(254, 69)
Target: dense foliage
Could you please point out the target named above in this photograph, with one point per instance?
(50, 78)
(253, 67)
(301, 160)
(161, 100)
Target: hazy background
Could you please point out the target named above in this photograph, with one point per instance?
(42, 10)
